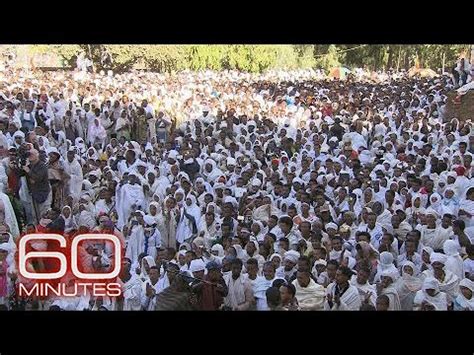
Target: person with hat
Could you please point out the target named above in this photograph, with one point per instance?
(212, 289)
(177, 296)
(290, 260)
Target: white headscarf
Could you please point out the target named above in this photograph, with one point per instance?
(436, 205)
(69, 223)
(462, 301)
(151, 262)
(454, 262)
(408, 283)
(240, 253)
(263, 231)
(386, 265)
(194, 209)
(219, 248)
(439, 300)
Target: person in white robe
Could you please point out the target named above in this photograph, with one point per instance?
(145, 264)
(130, 196)
(152, 237)
(341, 295)
(252, 250)
(367, 291)
(454, 262)
(431, 295)
(408, 285)
(211, 172)
(240, 294)
(261, 285)
(132, 290)
(259, 231)
(387, 287)
(436, 203)
(208, 229)
(154, 210)
(74, 170)
(69, 222)
(105, 205)
(135, 244)
(267, 209)
(450, 203)
(96, 133)
(168, 223)
(150, 289)
(434, 235)
(309, 294)
(386, 263)
(466, 208)
(448, 281)
(465, 299)
(190, 216)
(7, 215)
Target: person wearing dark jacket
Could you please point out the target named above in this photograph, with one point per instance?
(39, 187)
(190, 165)
(212, 290)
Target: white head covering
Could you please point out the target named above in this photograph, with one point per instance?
(450, 248)
(292, 255)
(219, 248)
(392, 273)
(462, 301)
(431, 283)
(438, 257)
(197, 265)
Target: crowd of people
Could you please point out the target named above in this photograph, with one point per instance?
(237, 191)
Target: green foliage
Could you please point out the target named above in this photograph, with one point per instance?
(205, 57)
(328, 60)
(68, 53)
(258, 58)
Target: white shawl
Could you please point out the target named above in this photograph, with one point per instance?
(350, 300)
(439, 301)
(462, 302)
(10, 217)
(311, 297)
(407, 286)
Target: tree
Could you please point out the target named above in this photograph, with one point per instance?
(328, 60)
(258, 58)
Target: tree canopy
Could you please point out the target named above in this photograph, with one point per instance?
(258, 58)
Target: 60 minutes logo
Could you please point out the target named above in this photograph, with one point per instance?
(94, 282)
